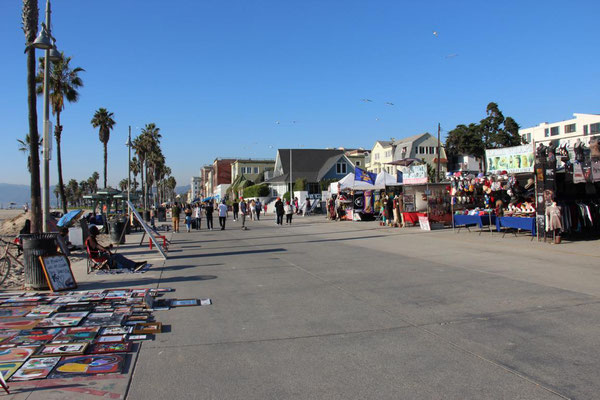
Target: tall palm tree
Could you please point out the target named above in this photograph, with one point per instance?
(63, 83)
(30, 15)
(144, 145)
(104, 119)
(135, 170)
(24, 148)
(123, 184)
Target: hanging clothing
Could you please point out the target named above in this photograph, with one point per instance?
(553, 218)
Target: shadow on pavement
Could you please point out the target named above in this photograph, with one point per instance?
(144, 282)
(229, 253)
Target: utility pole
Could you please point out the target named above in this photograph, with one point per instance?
(47, 138)
(291, 181)
(439, 154)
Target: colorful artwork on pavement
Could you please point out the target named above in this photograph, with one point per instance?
(77, 334)
(63, 349)
(17, 353)
(35, 368)
(63, 319)
(89, 365)
(122, 347)
(34, 337)
(12, 312)
(18, 323)
(9, 368)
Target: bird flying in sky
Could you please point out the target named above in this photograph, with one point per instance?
(367, 100)
(389, 103)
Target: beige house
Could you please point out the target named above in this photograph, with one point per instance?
(381, 154)
(358, 157)
(252, 170)
(423, 146)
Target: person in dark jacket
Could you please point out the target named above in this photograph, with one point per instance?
(236, 210)
(208, 210)
(279, 211)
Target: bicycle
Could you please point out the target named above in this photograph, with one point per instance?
(7, 255)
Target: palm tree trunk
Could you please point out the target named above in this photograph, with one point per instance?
(105, 161)
(61, 186)
(34, 151)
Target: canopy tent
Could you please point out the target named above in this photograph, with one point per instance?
(348, 182)
(386, 179)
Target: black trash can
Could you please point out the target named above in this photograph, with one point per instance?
(34, 246)
(117, 226)
(162, 214)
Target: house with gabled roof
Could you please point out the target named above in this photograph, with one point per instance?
(314, 165)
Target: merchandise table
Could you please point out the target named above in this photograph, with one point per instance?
(412, 217)
(479, 220)
(524, 223)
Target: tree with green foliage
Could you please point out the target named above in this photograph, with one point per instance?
(300, 184)
(63, 82)
(104, 120)
(494, 131)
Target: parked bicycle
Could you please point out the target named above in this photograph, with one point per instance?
(10, 253)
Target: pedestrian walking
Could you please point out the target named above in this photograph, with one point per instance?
(188, 217)
(236, 210)
(258, 209)
(253, 210)
(289, 212)
(175, 213)
(243, 210)
(222, 214)
(306, 207)
(279, 211)
(198, 215)
(208, 211)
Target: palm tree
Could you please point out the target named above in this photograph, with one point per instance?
(123, 184)
(63, 83)
(135, 170)
(24, 147)
(144, 145)
(30, 14)
(104, 119)
(93, 182)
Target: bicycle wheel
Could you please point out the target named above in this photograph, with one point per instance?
(4, 269)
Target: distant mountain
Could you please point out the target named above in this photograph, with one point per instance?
(18, 194)
(182, 189)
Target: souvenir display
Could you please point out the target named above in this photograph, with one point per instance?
(150, 327)
(34, 337)
(88, 365)
(12, 312)
(77, 334)
(115, 330)
(110, 339)
(122, 347)
(63, 319)
(18, 323)
(184, 302)
(35, 368)
(43, 311)
(7, 369)
(17, 353)
(63, 349)
(103, 319)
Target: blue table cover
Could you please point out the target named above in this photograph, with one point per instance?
(525, 223)
(479, 220)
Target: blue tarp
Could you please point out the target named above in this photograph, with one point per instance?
(66, 219)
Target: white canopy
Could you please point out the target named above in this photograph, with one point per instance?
(348, 182)
(385, 179)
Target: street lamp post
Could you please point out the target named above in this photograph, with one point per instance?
(50, 55)
(291, 181)
(129, 144)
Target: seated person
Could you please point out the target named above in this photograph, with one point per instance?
(114, 260)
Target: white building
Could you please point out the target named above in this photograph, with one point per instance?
(195, 187)
(582, 126)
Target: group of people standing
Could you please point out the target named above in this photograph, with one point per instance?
(193, 213)
(282, 209)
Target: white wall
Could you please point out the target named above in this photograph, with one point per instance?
(538, 133)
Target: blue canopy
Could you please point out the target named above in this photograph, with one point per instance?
(66, 219)
(207, 199)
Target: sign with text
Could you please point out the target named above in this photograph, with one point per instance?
(58, 272)
(414, 175)
(424, 223)
(513, 160)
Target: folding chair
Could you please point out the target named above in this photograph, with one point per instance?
(95, 262)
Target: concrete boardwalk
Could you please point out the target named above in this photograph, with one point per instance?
(324, 310)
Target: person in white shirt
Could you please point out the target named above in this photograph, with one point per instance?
(222, 214)
(289, 212)
(198, 216)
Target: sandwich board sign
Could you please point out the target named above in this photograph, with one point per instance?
(147, 229)
(58, 272)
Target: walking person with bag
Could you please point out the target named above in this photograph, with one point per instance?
(243, 210)
(188, 217)
(258, 209)
(279, 211)
(289, 212)
(198, 215)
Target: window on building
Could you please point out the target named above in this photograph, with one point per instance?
(377, 156)
(546, 132)
(595, 128)
(570, 128)
(431, 150)
(404, 149)
(529, 137)
(256, 170)
(358, 163)
(421, 150)
(585, 130)
(388, 153)
(341, 168)
(555, 130)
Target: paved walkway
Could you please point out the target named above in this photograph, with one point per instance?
(324, 310)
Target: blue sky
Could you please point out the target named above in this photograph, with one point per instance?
(215, 76)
